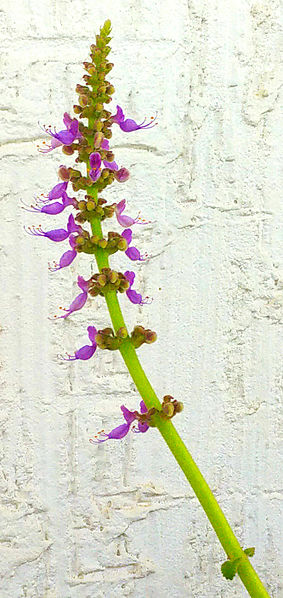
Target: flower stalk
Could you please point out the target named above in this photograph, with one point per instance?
(91, 142)
(225, 534)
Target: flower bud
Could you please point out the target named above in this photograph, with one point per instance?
(102, 243)
(110, 90)
(168, 410)
(98, 125)
(94, 239)
(102, 280)
(113, 276)
(87, 78)
(122, 332)
(77, 109)
(83, 100)
(64, 173)
(150, 337)
(167, 399)
(121, 175)
(68, 150)
(98, 138)
(90, 205)
(122, 244)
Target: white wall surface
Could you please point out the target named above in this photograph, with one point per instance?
(119, 520)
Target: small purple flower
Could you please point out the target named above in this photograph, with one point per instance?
(133, 295)
(52, 208)
(67, 258)
(125, 220)
(123, 429)
(129, 124)
(132, 252)
(59, 234)
(85, 352)
(65, 137)
(95, 165)
(79, 301)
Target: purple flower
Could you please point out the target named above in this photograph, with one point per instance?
(132, 252)
(52, 208)
(65, 137)
(67, 258)
(79, 301)
(123, 429)
(95, 165)
(124, 220)
(58, 234)
(87, 351)
(133, 295)
(129, 125)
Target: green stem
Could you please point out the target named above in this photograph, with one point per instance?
(213, 511)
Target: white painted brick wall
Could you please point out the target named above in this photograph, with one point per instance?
(119, 520)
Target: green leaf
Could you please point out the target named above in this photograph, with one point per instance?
(250, 551)
(229, 568)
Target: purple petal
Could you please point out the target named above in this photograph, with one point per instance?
(77, 304)
(105, 144)
(129, 416)
(74, 128)
(57, 235)
(95, 174)
(134, 297)
(134, 254)
(130, 276)
(67, 120)
(82, 283)
(92, 332)
(111, 165)
(143, 427)
(124, 220)
(53, 208)
(95, 160)
(121, 206)
(57, 191)
(85, 352)
(68, 201)
(64, 137)
(72, 241)
(143, 407)
(119, 116)
(72, 227)
(127, 234)
(119, 432)
(129, 125)
(54, 143)
(65, 260)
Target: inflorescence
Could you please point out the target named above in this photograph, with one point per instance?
(87, 136)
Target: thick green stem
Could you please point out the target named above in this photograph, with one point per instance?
(213, 511)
